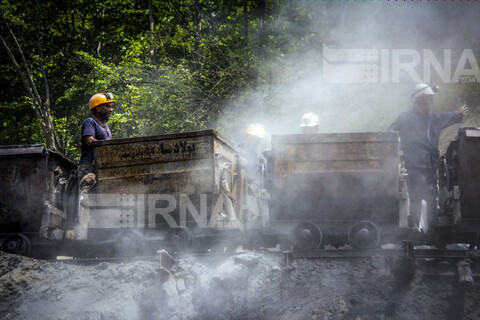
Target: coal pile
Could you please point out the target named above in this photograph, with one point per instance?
(248, 285)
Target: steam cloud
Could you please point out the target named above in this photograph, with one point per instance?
(296, 84)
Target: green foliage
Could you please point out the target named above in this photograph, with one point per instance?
(19, 125)
(175, 77)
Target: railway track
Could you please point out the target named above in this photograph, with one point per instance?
(416, 253)
(300, 254)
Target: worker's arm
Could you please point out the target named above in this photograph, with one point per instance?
(446, 119)
(89, 140)
(88, 131)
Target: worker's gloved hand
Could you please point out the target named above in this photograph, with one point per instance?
(464, 109)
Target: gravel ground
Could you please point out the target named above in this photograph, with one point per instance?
(247, 285)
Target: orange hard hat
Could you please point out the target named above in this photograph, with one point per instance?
(256, 130)
(100, 98)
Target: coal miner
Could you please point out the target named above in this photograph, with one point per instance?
(253, 136)
(419, 129)
(251, 140)
(94, 128)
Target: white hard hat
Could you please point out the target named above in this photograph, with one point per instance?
(309, 120)
(423, 89)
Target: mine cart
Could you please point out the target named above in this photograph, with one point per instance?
(180, 187)
(459, 190)
(334, 188)
(34, 200)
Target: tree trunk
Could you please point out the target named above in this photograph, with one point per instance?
(47, 100)
(261, 15)
(151, 24)
(198, 34)
(245, 23)
(41, 108)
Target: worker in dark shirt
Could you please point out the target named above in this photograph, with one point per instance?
(94, 128)
(419, 129)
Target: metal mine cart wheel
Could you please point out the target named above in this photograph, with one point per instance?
(364, 235)
(128, 243)
(178, 239)
(307, 236)
(16, 243)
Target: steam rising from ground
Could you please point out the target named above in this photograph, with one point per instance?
(294, 84)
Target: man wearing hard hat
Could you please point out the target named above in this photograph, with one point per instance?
(94, 128)
(419, 129)
(252, 139)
